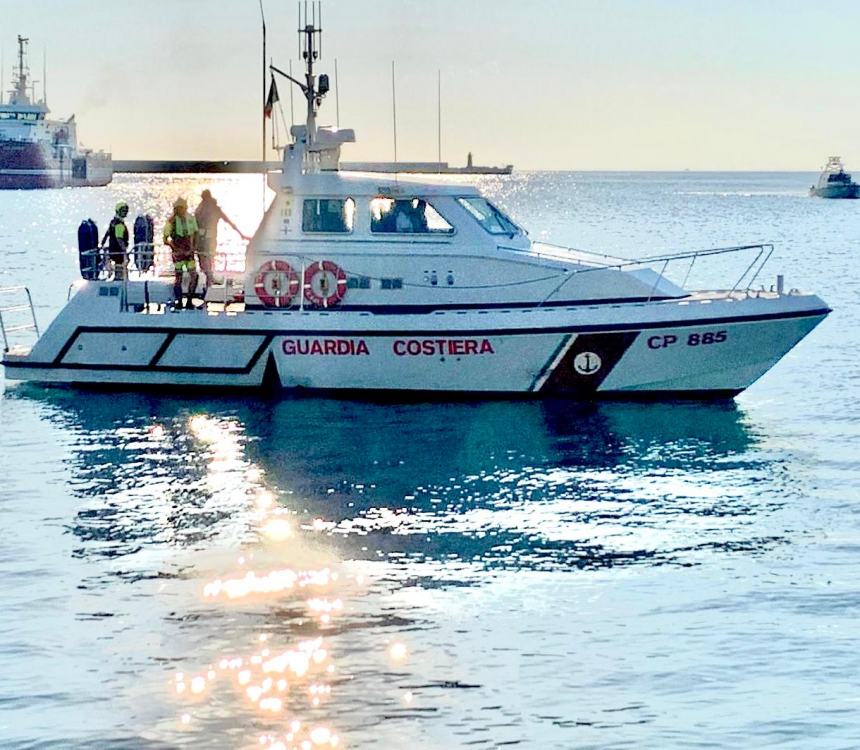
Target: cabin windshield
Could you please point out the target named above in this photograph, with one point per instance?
(488, 216)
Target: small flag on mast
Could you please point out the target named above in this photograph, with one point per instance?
(271, 98)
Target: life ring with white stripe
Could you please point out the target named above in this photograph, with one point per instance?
(276, 283)
(325, 284)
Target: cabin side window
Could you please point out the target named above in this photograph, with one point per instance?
(328, 215)
(406, 216)
(488, 216)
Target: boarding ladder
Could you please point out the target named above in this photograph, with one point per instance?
(11, 314)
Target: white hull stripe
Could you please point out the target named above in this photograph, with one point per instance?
(552, 363)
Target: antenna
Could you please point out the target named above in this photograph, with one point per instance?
(292, 108)
(314, 87)
(336, 94)
(312, 43)
(19, 94)
(274, 122)
(278, 147)
(265, 97)
(439, 116)
(394, 111)
(44, 75)
(2, 72)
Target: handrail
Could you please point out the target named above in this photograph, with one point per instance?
(657, 280)
(765, 249)
(759, 269)
(687, 254)
(6, 330)
(136, 275)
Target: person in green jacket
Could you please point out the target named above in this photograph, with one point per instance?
(180, 235)
(116, 239)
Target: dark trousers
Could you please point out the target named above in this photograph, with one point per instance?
(206, 261)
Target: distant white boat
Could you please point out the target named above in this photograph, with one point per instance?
(36, 152)
(835, 182)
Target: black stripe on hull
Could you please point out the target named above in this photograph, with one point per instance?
(165, 345)
(454, 306)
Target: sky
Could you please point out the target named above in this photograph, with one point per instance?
(542, 84)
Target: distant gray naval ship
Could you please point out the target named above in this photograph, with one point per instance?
(835, 182)
(36, 152)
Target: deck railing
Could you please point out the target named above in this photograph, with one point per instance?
(595, 262)
(750, 273)
(7, 310)
(104, 268)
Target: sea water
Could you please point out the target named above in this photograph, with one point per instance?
(240, 572)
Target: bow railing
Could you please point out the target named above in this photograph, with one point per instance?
(763, 252)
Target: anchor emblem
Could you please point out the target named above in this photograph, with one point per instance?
(587, 363)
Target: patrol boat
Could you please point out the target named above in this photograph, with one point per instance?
(362, 283)
(36, 152)
(835, 182)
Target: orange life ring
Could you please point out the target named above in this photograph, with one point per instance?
(276, 283)
(325, 284)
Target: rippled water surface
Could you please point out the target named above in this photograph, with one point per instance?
(237, 573)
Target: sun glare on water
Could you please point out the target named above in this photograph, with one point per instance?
(280, 593)
(282, 685)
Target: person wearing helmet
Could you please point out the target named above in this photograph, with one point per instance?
(208, 214)
(116, 239)
(180, 235)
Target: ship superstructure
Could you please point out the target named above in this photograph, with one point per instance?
(37, 152)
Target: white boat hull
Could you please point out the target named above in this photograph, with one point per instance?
(836, 191)
(708, 347)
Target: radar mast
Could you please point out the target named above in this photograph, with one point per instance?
(19, 92)
(310, 41)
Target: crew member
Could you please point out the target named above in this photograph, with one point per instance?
(180, 234)
(116, 239)
(208, 214)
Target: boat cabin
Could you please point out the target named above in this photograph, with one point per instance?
(363, 242)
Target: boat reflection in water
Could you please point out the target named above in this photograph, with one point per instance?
(285, 555)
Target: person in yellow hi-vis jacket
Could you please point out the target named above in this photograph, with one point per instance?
(180, 234)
